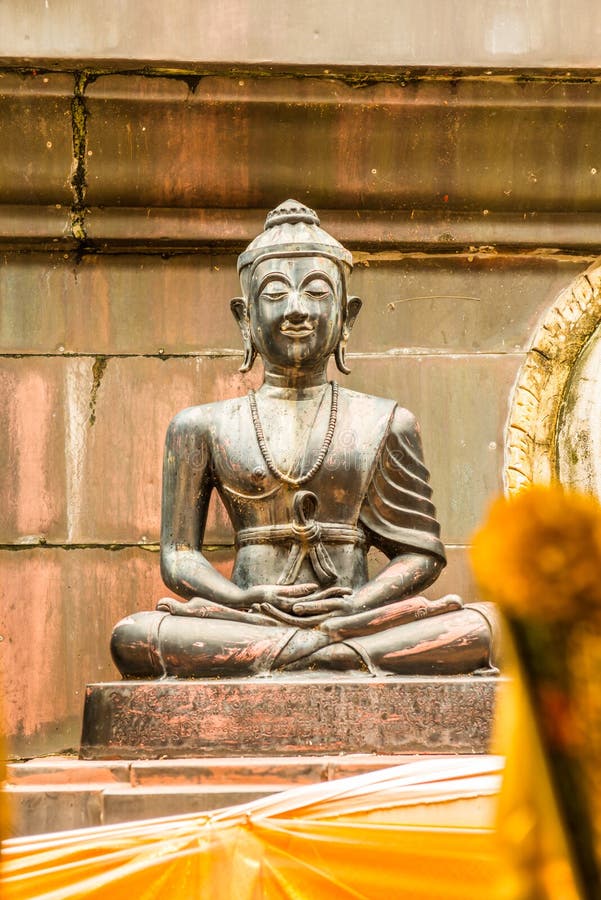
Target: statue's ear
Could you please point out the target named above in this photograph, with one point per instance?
(353, 305)
(239, 310)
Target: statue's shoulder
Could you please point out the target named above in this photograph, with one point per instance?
(404, 434)
(360, 403)
(401, 421)
(205, 417)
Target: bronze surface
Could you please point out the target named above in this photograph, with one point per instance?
(300, 596)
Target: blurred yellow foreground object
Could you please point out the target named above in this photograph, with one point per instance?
(538, 556)
(535, 861)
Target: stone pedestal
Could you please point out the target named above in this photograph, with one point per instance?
(287, 716)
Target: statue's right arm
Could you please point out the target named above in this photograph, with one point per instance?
(187, 487)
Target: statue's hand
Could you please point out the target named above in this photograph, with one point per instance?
(319, 605)
(313, 602)
(330, 600)
(281, 596)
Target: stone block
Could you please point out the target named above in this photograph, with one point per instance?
(123, 451)
(58, 611)
(36, 409)
(131, 303)
(267, 35)
(82, 458)
(56, 808)
(36, 227)
(37, 151)
(140, 304)
(232, 771)
(140, 789)
(455, 303)
(425, 144)
(287, 716)
(66, 771)
(359, 763)
(124, 804)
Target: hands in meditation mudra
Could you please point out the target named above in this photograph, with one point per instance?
(311, 475)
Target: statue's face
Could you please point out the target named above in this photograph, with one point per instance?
(295, 309)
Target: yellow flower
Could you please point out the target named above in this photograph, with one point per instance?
(538, 555)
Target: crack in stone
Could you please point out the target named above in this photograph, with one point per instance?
(79, 120)
(43, 544)
(98, 370)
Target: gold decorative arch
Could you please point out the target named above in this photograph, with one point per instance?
(530, 450)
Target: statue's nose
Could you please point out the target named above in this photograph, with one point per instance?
(296, 310)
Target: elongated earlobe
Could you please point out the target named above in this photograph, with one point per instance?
(250, 354)
(340, 357)
(353, 306)
(240, 312)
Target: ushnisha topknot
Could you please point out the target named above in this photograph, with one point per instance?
(292, 229)
(291, 211)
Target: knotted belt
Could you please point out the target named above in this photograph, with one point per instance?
(306, 536)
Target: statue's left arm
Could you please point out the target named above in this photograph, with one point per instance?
(399, 518)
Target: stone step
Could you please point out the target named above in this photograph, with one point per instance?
(42, 808)
(61, 793)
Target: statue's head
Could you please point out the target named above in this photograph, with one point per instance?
(295, 311)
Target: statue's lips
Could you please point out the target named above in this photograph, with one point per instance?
(297, 331)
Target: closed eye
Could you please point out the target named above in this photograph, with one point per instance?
(317, 294)
(317, 288)
(275, 289)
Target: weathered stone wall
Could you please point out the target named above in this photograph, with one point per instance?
(470, 201)
(325, 32)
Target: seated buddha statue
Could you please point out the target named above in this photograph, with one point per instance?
(312, 475)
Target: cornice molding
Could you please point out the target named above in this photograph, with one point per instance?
(171, 229)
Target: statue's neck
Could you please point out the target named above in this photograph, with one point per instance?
(293, 382)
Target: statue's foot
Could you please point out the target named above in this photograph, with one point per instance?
(196, 607)
(333, 658)
(199, 608)
(448, 603)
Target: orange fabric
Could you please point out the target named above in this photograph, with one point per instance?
(355, 838)
(422, 831)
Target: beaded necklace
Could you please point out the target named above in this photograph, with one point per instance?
(302, 479)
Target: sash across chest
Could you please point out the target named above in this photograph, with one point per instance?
(307, 537)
